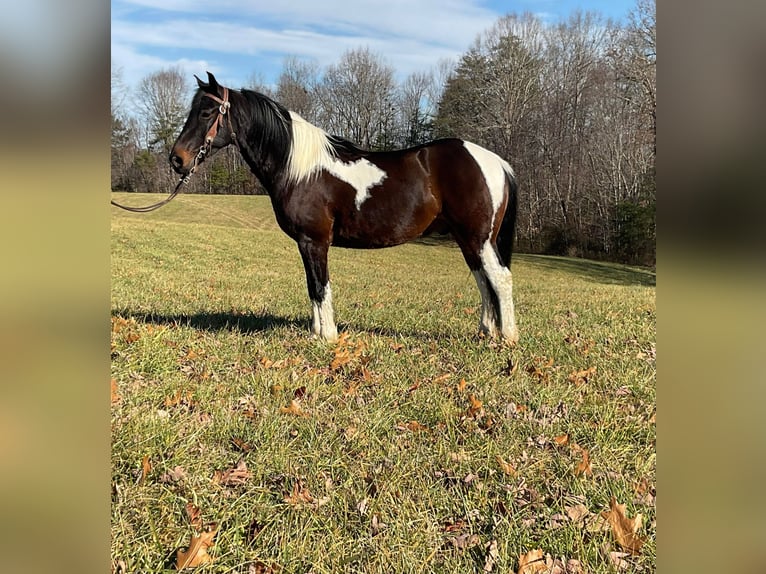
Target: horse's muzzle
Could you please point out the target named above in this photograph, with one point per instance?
(180, 162)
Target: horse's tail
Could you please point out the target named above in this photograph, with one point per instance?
(507, 229)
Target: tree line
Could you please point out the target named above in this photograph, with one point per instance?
(572, 107)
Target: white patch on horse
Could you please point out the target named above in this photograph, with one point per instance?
(323, 317)
(494, 169)
(501, 280)
(362, 175)
(311, 151)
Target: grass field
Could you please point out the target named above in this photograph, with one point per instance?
(411, 446)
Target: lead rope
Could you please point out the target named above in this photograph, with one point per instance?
(203, 150)
(183, 180)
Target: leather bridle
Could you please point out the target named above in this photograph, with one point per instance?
(223, 110)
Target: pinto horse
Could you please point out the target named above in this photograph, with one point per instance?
(327, 191)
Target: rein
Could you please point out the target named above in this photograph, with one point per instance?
(204, 149)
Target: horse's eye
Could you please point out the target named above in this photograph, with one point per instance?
(206, 114)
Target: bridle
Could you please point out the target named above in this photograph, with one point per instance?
(223, 110)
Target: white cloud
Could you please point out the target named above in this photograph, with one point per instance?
(242, 37)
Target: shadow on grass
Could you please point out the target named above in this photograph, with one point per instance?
(596, 271)
(261, 323)
(216, 321)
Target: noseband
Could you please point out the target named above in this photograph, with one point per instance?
(204, 149)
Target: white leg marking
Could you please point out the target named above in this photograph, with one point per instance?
(501, 280)
(324, 321)
(488, 323)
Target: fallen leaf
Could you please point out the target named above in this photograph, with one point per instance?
(196, 554)
(180, 399)
(463, 541)
(414, 387)
(233, 476)
(476, 407)
(461, 456)
(581, 377)
(492, 555)
(461, 386)
(577, 513)
(413, 426)
(376, 525)
(625, 529)
(506, 467)
(194, 515)
(441, 378)
(294, 408)
(239, 444)
(175, 475)
(146, 468)
(458, 526)
(115, 393)
(618, 560)
(259, 567)
(584, 467)
(300, 495)
(531, 562)
(561, 440)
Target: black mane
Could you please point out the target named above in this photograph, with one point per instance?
(269, 137)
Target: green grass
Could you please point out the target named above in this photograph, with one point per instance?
(207, 291)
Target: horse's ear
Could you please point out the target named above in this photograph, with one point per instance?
(212, 81)
(200, 83)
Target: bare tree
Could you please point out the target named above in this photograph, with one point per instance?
(357, 99)
(163, 98)
(415, 109)
(297, 87)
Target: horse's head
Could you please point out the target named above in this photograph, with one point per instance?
(207, 129)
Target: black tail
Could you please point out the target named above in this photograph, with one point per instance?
(507, 230)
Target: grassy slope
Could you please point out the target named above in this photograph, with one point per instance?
(207, 292)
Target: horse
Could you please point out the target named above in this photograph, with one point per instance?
(327, 191)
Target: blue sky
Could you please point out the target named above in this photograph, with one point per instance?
(238, 40)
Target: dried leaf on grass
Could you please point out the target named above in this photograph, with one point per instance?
(561, 440)
(194, 515)
(506, 467)
(492, 556)
(577, 513)
(196, 553)
(581, 377)
(584, 467)
(462, 541)
(233, 476)
(625, 529)
(531, 562)
(618, 560)
(300, 496)
(177, 474)
(115, 393)
(146, 468)
(294, 408)
(412, 426)
(259, 567)
(346, 351)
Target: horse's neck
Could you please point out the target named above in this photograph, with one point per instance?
(262, 166)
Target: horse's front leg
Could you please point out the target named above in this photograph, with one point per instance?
(314, 255)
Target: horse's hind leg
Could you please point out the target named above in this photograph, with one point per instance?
(501, 283)
(314, 256)
(489, 304)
